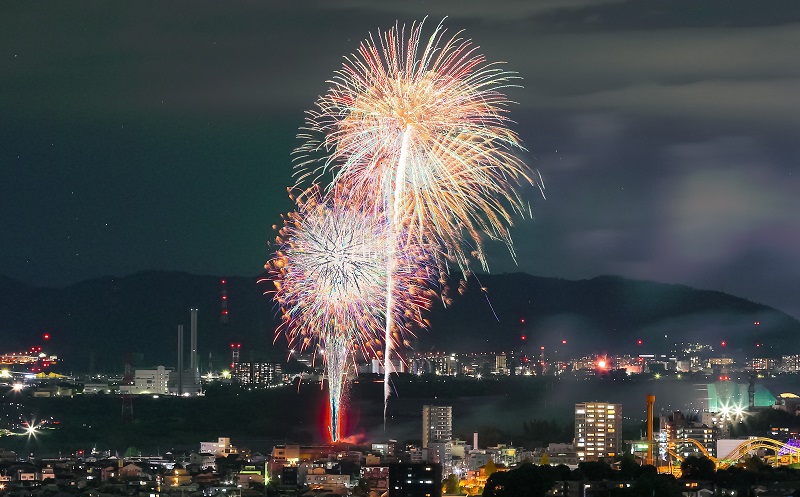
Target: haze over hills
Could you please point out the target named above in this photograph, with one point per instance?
(96, 323)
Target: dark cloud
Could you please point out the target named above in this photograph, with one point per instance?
(158, 135)
(670, 14)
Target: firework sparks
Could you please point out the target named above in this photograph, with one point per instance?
(330, 278)
(420, 131)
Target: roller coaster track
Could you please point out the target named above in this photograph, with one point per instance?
(791, 453)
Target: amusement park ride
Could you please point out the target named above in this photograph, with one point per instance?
(772, 452)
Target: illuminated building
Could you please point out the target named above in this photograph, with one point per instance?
(437, 424)
(677, 428)
(561, 453)
(257, 373)
(293, 455)
(34, 358)
(720, 361)
(438, 364)
(790, 363)
(718, 420)
(784, 433)
(500, 364)
(788, 402)
(761, 363)
(704, 435)
(442, 453)
(221, 448)
(377, 477)
(598, 430)
(415, 480)
(148, 381)
(319, 479)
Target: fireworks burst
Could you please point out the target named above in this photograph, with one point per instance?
(419, 133)
(330, 278)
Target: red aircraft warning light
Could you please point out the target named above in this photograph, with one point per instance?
(639, 342)
(46, 336)
(724, 343)
(563, 342)
(523, 337)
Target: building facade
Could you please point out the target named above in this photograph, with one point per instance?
(149, 381)
(257, 373)
(598, 430)
(437, 424)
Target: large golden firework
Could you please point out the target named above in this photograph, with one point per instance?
(419, 131)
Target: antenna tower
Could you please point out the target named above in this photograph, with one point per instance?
(223, 315)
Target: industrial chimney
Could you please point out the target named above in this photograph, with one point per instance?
(193, 366)
(180, 360)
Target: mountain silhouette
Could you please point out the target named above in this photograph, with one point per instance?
(98, 324)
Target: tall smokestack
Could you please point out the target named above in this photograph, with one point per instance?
(180, 360)
(475, 441)
(193, 366)
(651, 399)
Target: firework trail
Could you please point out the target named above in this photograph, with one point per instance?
(418, 131)
(330, 276)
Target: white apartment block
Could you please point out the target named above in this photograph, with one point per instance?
(149, 381)
(598, 430)
(437, 424)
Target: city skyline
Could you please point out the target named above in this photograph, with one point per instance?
(665, 135)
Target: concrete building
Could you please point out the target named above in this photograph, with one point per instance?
(677, 429)
(437, 424)
(415, 480)
(790, 363)
(717, 420)
(598, 430)
(704, 435)
(318, 479)
(149, 381)
(221, 448)
(441, 453)
(204, 460)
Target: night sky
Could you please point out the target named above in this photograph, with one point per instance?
(157, 135)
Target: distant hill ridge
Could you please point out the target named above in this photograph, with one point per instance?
(94, 324)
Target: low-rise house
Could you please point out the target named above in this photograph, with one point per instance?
(204, 460)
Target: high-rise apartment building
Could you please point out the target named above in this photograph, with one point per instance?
(598, 430)
(257, 373)
(437, 424)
